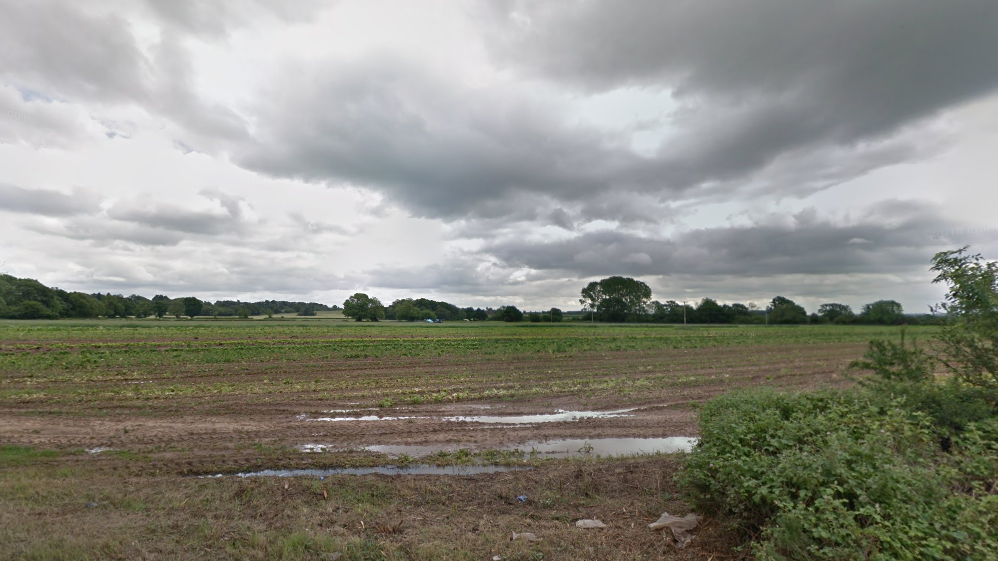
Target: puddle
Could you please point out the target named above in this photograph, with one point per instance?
(556, 417)
(608, 446)
(315, 447)
(559, 448)
(365, 418)
(420, 469)
(414, 450)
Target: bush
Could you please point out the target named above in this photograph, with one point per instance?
(842, 475)
(892, 361)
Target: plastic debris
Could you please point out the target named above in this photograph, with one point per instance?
(91, 505)
(680, 527)
(522, 498)
(525, 536)
(589, 523)
(496, 558)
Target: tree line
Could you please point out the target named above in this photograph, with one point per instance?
(30, 299)
(623, 299)
(362, 307)
(613, 299)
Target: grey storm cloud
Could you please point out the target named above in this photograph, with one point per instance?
(438, 148)
(771, 99)
(180, 219)
(58, 50)
(47, 202)
(895, 235)
(761, 80)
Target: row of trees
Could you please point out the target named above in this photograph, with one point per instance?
(623, 299)
(362, 307)
(613, 299)
(30, 299)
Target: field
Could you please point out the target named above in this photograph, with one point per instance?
(105, 425)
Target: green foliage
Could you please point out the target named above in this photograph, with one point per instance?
(508, 314)
(785, 310)
(843, 475)
(617, 299)
(360, 306)
(882, 312)
(556, 315)
(970, 339)
(833, 312)
(896, 362)
(192, 306)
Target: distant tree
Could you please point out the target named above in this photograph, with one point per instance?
(244, 312)
(160, 307)
(138, 306)
(556, 315)
(882, 312)
(742, 313)
(617, 299)
(427, 315)
(82, 305)
(176, 308)
(32, 309)
(785, 310)
(192, 306)
(405, 310)
(709, 311)
(508, 314)
(671, 312)
(534, 317)
(835, 313)
(360, 306)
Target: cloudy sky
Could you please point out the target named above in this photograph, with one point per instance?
(500, 152)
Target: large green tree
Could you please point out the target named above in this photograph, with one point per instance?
(785, 310)
(617, 299)
(834, 312)
(362, 307)
(192, 306)
(882, 312)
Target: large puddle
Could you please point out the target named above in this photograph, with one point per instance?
(420, 469)
(559, 416)
(556, 417)
(557, 448)
(362, 418)
(573, 447)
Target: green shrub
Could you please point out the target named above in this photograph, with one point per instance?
(842, 475)
(895, 362)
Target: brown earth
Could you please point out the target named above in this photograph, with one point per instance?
(185, 434)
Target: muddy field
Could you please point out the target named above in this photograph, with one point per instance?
(112, 415)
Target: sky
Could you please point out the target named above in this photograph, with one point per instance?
(494, 153)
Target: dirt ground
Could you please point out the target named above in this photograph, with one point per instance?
(110, 462)
(204, 433)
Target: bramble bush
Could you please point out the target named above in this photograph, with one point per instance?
(844, 475)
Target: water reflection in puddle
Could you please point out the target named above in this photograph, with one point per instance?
(556, 417)
(559, 448)
(363, 418)
(420, 469)
(608, 446)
